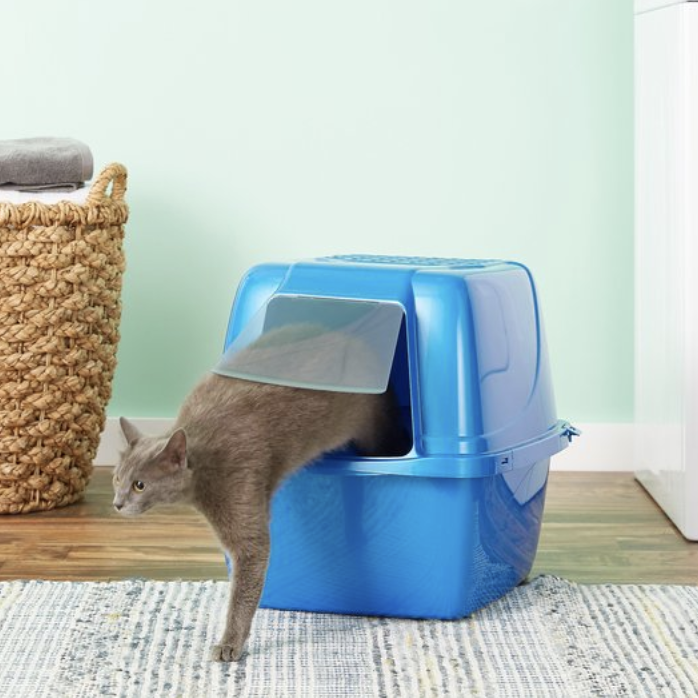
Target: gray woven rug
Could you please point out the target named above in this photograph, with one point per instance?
(547, 638)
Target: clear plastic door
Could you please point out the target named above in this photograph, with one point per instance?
(317, 343)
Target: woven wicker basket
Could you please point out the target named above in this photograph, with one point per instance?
(60, 287)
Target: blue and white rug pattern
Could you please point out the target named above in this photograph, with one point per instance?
(550, 638)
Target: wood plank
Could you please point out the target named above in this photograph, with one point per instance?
(90, 541)
(604, 527)
(597, 527)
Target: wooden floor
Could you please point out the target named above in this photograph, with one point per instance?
(598, 527)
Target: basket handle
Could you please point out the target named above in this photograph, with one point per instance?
(114, 174)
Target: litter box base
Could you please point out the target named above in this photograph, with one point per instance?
(390, 545)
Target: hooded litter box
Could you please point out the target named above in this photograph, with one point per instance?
(454, 523)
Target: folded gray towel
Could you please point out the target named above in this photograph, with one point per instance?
(37, 164)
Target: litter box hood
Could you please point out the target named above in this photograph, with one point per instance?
(461, 343)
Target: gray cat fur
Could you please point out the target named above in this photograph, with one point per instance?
(232, 444)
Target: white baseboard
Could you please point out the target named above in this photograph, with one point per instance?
(601, 447)
(112, 442)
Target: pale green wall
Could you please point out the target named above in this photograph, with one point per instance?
(269, 130)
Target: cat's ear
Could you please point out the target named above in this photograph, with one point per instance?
(174, 455)
(130, 431)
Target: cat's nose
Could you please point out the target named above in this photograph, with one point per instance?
(118, 507)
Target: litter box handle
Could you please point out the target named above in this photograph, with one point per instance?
(114, 174)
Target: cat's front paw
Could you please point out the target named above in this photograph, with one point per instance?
(226, 652)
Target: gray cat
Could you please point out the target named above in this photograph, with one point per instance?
(232, 444)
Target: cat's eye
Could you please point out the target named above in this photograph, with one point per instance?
(138, 486)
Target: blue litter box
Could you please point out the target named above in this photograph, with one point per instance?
(454, 523)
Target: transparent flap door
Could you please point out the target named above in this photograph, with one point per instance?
(318, 343)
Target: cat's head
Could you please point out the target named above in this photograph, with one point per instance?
(152, 470)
